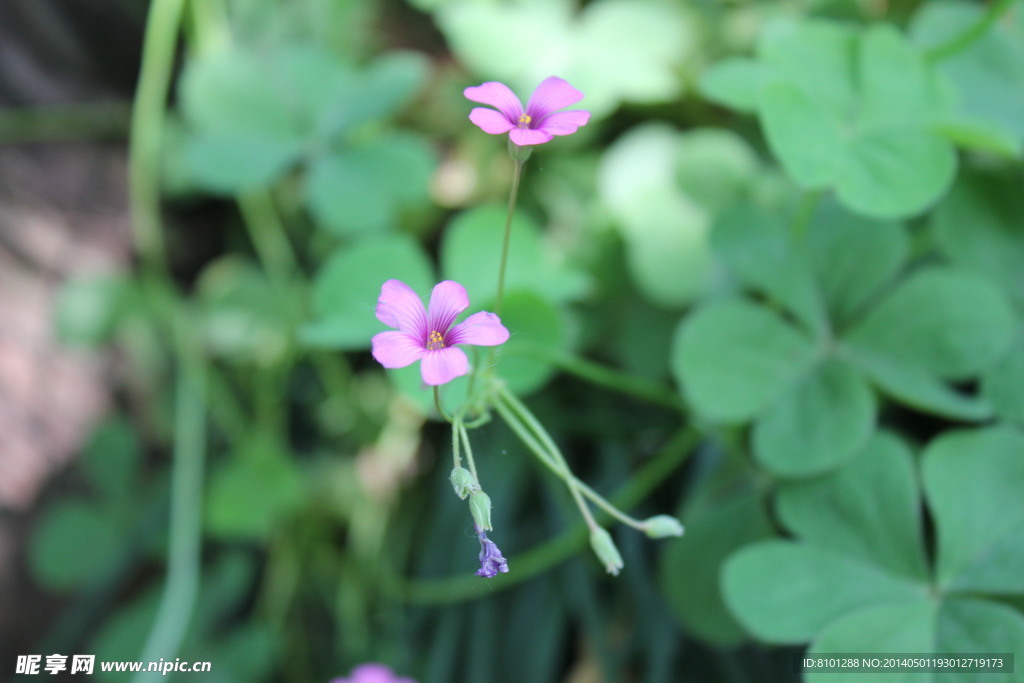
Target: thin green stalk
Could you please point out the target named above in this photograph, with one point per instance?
(533, 425)
(512, 197)
(437, 404)
(456, 459)
(551, 463)
(269, 237)
(469, 450)
(613, 379)
(971, 34)
(183, 562)
(147, 130)
(802, 219)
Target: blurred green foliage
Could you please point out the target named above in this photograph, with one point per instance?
(804, 226)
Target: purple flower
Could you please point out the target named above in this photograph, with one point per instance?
(491, 561)
(539, 123)
(372, 673)
(428, 335)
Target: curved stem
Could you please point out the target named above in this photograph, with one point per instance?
(147, 130)
(512, 197)
(437, 404)
(469, 450)
(183, 561)
(971, 34)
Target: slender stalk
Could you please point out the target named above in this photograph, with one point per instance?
(437, 404)
(802, 219)
(147, 130)
(183, 561)
(533, 425)
(456, 459)
(512, 197)
(971, 34)
(469, 450)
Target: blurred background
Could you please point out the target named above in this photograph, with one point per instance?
(199, 458)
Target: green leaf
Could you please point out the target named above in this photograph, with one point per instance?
(818, 423)
(896, 173)
(111, 459)
(978, 226)
(868, 509)
(987, 74)
(734, 82)
(664, 229)
(1003, 382)
(903, 627)
(245, 318)
(88, 309)
(534, 324)
(690, 569)
(973, 480)
(755, 246)
(471, 255)
(837, 241)
(943, 321)
(806, 136)
(73, 544)
(346, 289)
(897, 86)
(952, 627)
(252, 494)
(733, 359)
(361, 189)
(785, 592)
(919, 389)
(230, 162)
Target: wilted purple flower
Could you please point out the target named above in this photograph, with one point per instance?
(372, 673)
(491, 561)
(539, 123)
(428, 334)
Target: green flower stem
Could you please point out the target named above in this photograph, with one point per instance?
(183, 563)
(456, 458)
(541, 558)
(512, 197)
(437, 404)
(469, 449)
(551, 462)
(601, 375)
(971, 34)
(147, 130)
(532, 424)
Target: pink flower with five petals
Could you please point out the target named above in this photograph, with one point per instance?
(541, 120)
(429, 334)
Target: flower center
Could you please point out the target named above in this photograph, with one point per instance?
(435, 341)
(524, 120)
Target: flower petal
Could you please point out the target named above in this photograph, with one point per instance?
(446, 302)
(490, 121)
(552, 94)
(372, 673)
(479, 329)
(564, 122)
(394, 349)
(443, 365)
(399, 306)
(527, 136)
(499, 96)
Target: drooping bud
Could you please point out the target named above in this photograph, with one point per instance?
(603, 545)
(480, 506)
(463, 482)
(662, 526)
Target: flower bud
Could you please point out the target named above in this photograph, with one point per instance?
(480, 506)
(463, 482)
(603, 545)
(662, 526)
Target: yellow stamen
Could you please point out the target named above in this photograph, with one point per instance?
(524, 120)
(435, 341)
